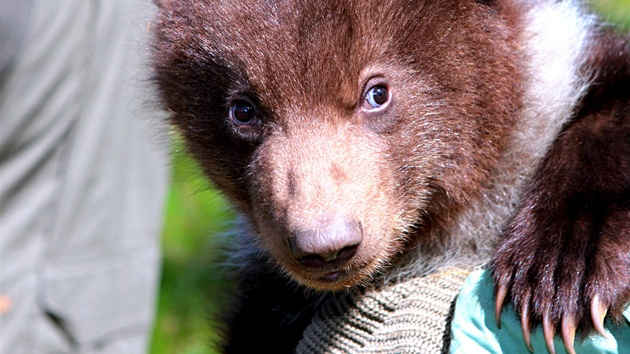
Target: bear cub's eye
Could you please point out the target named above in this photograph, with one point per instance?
(243, 113)
(377, 97)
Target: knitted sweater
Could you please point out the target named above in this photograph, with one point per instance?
(412, 316)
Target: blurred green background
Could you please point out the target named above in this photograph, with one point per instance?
(192, 284)
(196, 215)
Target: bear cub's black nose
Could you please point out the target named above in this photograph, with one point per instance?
(336, 242)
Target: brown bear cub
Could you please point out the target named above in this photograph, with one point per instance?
(366, 142)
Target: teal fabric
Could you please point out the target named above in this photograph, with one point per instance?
(474, 329)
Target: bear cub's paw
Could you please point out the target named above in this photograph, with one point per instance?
(567, 271)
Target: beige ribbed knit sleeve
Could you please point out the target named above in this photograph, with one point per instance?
(408, 317)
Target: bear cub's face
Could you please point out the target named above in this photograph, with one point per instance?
(340, 130)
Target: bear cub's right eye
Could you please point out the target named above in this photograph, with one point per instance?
(243, 113)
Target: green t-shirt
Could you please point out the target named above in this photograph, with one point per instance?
(474, 329)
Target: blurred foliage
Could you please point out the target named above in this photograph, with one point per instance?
(192, 285)
(614, 11)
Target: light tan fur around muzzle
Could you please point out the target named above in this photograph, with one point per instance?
(318, 172)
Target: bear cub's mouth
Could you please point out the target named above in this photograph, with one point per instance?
(333, 276)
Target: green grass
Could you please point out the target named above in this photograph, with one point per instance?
(191, 286)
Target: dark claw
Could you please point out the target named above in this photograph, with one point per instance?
(525, 326)
(549, 331)
(498, 307)
(568, 333)
(598, 313)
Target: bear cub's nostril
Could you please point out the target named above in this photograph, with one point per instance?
(314, 260)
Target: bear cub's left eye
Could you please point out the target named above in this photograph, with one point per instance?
(377, 97)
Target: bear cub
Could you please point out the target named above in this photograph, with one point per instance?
(365, 141)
